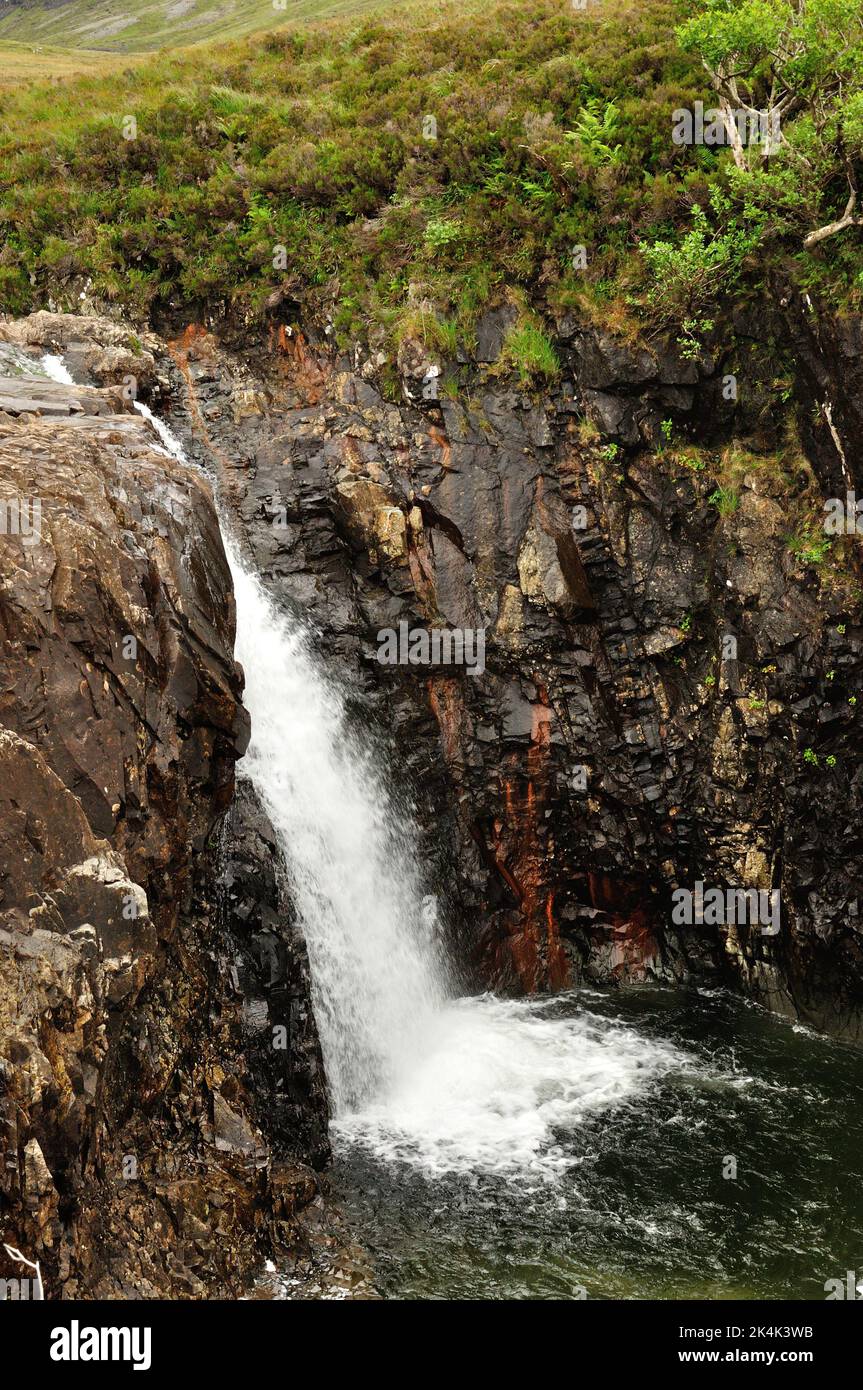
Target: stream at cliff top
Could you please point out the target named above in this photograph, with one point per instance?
(529, 1148)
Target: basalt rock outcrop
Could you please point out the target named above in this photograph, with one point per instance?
(154, 1144)
(672, 656)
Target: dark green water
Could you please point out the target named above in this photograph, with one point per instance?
(641, 1208)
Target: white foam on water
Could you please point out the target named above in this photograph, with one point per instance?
(500, 1086)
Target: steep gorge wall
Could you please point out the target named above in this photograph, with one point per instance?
(605, 755)
(609, 753)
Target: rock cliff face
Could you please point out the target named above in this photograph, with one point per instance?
(153, 1145)
(672, 665)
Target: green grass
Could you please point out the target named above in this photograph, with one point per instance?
(298, 160)
(314, 140)
(131, 26)
(725, 500)
(528, 349)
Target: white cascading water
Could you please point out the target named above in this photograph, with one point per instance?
(447, 1085)
(450, 1085)
(378, 982)
(378, 978)
(56, 370)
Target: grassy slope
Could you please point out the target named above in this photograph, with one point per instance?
(25, 62)
(129, 26)
(313, 141)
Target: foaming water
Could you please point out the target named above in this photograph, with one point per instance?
(172, 445)
(55, 369)
(448, 1086)
(501, 1085)
(642, 1203)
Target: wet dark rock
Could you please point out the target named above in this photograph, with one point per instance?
(287, 1092)
(491, 332)
(608, 754)
(138, 1151)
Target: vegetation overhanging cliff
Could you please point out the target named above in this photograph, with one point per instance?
(395, 175)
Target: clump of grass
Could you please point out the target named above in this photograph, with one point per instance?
(696, 460)
(439, 335)
(530, 351)
(725, 499)
(809, 546)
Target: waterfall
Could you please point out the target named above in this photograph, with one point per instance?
(378, 977)
(446, 1085)
(55, 369)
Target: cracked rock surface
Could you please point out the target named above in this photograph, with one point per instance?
(670, 687)
(149, 1148)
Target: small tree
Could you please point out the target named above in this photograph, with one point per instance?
(690, 274)
(800, 62)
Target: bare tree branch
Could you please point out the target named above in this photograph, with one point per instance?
(831, 228)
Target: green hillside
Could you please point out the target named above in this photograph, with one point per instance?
(395, 174)
(132, 26)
